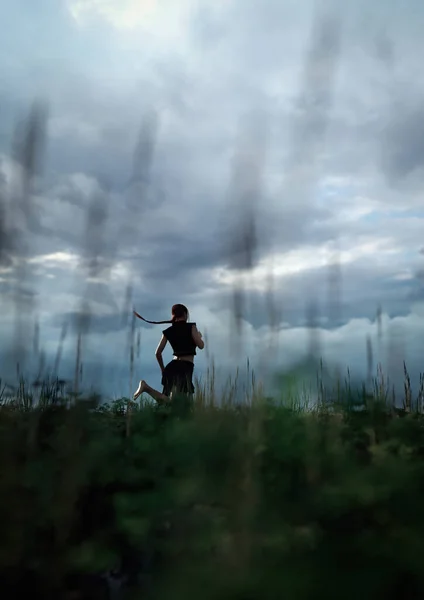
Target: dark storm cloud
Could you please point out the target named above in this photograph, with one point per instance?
(114, 152)
(404, 141)
(178, 256)
(95, 323)
(385, 49)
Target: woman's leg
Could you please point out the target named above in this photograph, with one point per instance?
(155, 394)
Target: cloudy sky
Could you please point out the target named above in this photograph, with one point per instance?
(261, 162)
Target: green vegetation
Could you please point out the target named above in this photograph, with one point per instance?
(257, 501)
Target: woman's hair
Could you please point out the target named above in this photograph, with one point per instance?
(178, 311)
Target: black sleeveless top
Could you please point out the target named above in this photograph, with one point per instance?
(180, 338)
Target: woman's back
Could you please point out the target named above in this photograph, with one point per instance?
(180, 336)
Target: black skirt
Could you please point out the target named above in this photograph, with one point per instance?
(178, 377)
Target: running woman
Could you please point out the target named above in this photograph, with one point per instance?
(177, 375)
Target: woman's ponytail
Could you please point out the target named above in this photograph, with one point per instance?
(152, 322)
(178, 311)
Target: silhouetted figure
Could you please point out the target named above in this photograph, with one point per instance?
(177, 375)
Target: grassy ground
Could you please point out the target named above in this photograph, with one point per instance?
(263, 500)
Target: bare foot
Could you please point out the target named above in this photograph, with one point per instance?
(140, 389)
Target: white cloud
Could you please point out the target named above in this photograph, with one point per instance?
(309, 257)
(56, 259)
(164, 20)
(86, 132)
(122, 13)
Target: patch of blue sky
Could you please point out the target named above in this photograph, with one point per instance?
(372, 217)
(376, 215)
(339, 187)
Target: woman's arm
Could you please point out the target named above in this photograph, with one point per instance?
(197, 337)
(159, 351)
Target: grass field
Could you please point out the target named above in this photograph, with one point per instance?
(257, 500)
